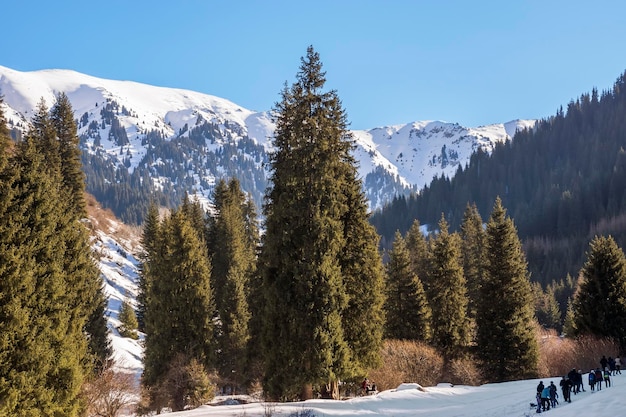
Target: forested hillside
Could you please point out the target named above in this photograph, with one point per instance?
(563, 183)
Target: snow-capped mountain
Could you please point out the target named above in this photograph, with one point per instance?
(176, 141)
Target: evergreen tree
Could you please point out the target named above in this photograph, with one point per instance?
(234, 262)
(363, 279)
(547, 308)
(505, 319)
(150, 258)
(418, 251)
(179, 303)
(600, 304)
(308, 260)
(447, 293)
(49, 278)
(56, 137)
(407, 310)
(44, 352)
(62, 117)
(42, 135)
(128, 320)
(473, 249)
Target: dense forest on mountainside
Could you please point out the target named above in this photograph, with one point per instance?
(128, 193)
(562, 182)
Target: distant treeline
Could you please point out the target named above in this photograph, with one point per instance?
(562, 182)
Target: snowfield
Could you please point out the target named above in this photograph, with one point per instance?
(508, 399)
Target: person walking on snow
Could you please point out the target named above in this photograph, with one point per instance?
(553, 395)
(545, 399)
(592, 380)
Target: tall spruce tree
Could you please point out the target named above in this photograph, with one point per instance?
(600, 304)
(407, 311)
(233, 255)
(62, 117)
(311, 249)
(179, 303)
(473, 249)
(150, 258)
(418, 251)
(59, 141)
(505, 319)
(44, 352)
(363, 279)
(447, 293)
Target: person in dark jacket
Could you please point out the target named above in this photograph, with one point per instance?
(604, 362)
(545, 399)
(599, 378)
(553, 395)
(540, 388)
(566, 386)
(572, 376)
(579, 381)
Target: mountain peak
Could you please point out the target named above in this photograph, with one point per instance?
(126, 124)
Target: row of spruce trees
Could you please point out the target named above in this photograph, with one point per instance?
(53, 334)
(310, 303)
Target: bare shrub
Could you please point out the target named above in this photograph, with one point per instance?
(558, 355)
(110, 393)
(591, 348)
(407, 361)
(462, 371)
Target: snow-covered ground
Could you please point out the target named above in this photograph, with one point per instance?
(508, 399)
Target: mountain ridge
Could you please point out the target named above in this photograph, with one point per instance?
(127, 126)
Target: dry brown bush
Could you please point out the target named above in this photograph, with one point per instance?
(558, 355)
(110, 393)
(462, 371)
(407, 361)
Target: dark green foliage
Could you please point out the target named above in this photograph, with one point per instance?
(506, 342)
(447, 294)
(62, 117)
(473, 250)
(318, 255)
(129, 194)
(149, 259)
(47, 285)
(178, 300)
(407, 311)
(418, 251)
(363, 280)
(547, 307)
(563, 182)
(233, 254)
(52, 307)
(128, 321)
(600, 304)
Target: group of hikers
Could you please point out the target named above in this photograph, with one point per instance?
(547, 396)
(368, 388)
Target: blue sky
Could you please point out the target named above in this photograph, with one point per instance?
(391, 62)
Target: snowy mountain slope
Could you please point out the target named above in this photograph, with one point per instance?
(126, 127)
(116, 247)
